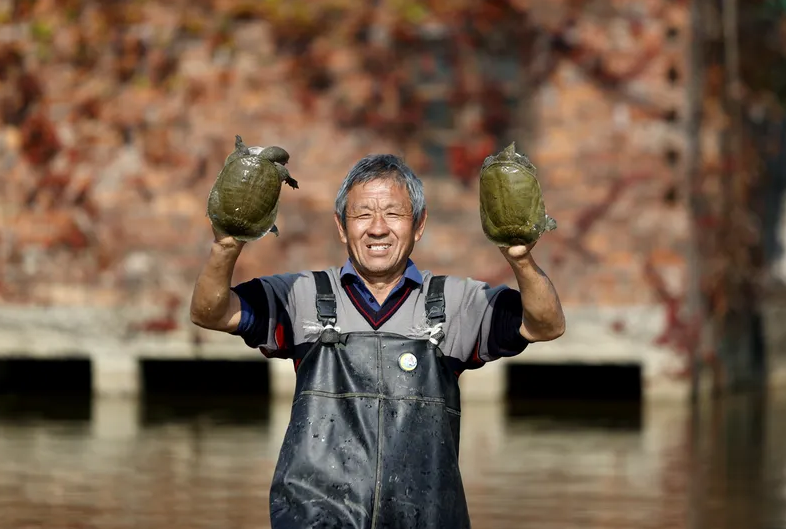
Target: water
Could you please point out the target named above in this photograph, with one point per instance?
(183, 464)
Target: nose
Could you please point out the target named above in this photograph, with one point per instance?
(378, 226)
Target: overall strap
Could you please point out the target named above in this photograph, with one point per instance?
(435, 300)
(326, 299)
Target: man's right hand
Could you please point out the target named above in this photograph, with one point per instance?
(213, 304)
(227, 242)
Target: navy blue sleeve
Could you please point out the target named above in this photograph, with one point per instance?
(255, 315)
(505, 340)
(274, 338)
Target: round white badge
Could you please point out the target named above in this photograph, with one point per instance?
(407, 361)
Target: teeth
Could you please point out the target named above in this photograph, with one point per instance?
(379, 246)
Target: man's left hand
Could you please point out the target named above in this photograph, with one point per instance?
(542, 318)
(515, 254)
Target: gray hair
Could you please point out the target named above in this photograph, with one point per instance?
(378, 166)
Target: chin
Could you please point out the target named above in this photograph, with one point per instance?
(376, 266)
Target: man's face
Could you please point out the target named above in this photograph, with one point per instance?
(379, 235)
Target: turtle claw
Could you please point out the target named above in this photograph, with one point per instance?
(286, 177)
(274, 230)
(291, 182)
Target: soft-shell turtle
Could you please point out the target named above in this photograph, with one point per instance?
(511, 202)
(243, 202)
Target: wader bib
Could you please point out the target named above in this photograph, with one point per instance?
(373, 438)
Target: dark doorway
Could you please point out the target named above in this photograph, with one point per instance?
(605, 395)
(33, 389)
(204, 391)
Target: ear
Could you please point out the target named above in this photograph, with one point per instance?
(341, 233)
(421, 227)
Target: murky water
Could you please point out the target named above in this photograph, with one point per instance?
(181, 464)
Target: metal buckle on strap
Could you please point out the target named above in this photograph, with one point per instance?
(326, 299)
(326, 308)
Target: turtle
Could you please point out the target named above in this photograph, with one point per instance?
(243, 202)
(512, 211)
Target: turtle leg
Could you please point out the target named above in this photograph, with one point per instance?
(240, 146)
(285, 177)
(240, 150)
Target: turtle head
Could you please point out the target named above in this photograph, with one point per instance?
(509, 155)
(275, 154)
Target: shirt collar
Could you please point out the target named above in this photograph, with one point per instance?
(411, 272)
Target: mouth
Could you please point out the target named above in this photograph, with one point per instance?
(378, 247)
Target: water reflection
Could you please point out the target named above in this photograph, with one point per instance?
(190, 463)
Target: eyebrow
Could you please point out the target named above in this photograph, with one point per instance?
(366, 207)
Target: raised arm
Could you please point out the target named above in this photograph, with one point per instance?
(213, 305)
(542, 319)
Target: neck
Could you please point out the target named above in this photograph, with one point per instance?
(381, 285)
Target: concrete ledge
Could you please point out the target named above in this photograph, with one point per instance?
(621, 335)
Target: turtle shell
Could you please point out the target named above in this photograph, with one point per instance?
(512, 210)
(244, 199)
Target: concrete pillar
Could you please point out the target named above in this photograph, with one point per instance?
(115, 374)
(280, 412)
(660, 381)
(115, 417)
(482, 433)
(282, 379)
(778, 265)
(774, 313)
(485, 384)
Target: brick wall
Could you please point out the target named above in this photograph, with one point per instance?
(116, 120)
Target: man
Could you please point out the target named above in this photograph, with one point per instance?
(378, 346)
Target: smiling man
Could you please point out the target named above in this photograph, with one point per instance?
(378, 346)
